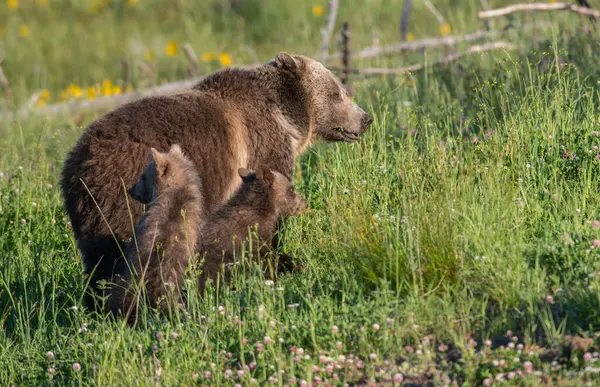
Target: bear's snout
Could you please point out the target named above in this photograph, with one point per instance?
(366, 121)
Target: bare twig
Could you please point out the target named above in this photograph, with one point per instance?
(125, 72)
(6, 86)
(373, 52)
(538, 7)
(500, 45)
(404, 17)
(252, 53)
(435, 12)
(146, 68)
(328, 30)
(98, 104)
(3, 80)
(485, 7)
(193, 58)
(346, 52)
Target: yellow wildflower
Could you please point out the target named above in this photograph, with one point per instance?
(445, 29)
(410, 37)
(107, 88)
(317, 10)
(208, 56)
(171, 48)
(91, 92)
(149, 55)
(45, 94)
(225, 59)
(13, 4)
(41, 102)
(116, 90)
(75, 91)
(131, 3)
(24, 31)
(43, 2)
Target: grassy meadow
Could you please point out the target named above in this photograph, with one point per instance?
(458, 243)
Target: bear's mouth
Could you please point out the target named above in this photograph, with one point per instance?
(346, 135)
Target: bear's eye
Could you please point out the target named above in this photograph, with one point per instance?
(336, 95)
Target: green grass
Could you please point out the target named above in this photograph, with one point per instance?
(473, 198)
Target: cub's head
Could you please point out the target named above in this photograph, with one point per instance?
(165, 170)
(278, 188)
(335, 116)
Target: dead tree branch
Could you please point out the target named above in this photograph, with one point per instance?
(373, 52)
(500, 45)
(328, 30)
(346, 52)
(538, 7)
(192, 58)
(404, 18)
(417, 45)
(98, 104)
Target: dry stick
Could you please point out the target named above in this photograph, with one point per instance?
(419, 67)
(102, 103)
(252, 53)
(404, 16)
(435, 12)
(193, 58)
(328, 31)
(485, 7)
(537, 7)
(346, 52)
(125, 73)
(373, 52)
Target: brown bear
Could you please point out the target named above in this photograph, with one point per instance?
(236, 117)
(165, 237)
(254, 209)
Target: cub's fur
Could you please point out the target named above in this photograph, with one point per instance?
(166, 235)
(259, 202)
(262, 116)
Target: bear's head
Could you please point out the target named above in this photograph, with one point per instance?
(277, 187)
(165, 170)
(332, 113)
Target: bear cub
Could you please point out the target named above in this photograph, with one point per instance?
(259, 202)
(165, 237)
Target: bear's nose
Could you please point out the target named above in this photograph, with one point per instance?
(367, 119)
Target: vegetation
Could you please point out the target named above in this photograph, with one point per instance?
(458, 242)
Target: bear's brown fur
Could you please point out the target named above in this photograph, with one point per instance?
(260, 201)
(166, 235)
(263, 116)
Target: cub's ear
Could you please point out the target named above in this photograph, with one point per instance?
(287, 62)
(176, 150)
(247, 175)
(159, 160)
(266, 175)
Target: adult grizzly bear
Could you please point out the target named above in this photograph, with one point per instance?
(263, 116)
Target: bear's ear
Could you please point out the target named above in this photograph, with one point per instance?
(176, 150)
(159, 160)
(247, 175)
(285, 61)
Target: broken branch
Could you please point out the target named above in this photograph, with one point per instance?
(537, 7)
(501, 45)
(328, 31)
